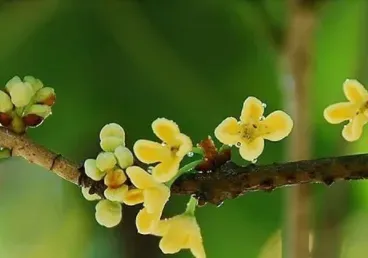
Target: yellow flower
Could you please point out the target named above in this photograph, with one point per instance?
(108, 213)
(133, 197)
(168, 154)
(124, 156)
(355, 111)
(116, 189)
(249, 133)
(180, 232)
(155, 196)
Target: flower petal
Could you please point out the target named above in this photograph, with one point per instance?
(173, 241)
(150, 152)
(339, 112)
(5, 102)
(105, 161)
(228, 132)
(166, 130)
(252, 110)
(146, 222)
(251, 150)
(353, 130)
(112, 130)
(276, 126)
(140, 178)
(92, 171)
(133, 197)
(165, 171)
(196, 247)
(110, 143)
(156, 198)
(185, 145)
(355, 91)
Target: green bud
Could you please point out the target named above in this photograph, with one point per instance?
(124, 156)
(17, 125)
(35, 83)
(108, 213)
(110, 143)
(92, 171)
(105, 161)
(112, 130)
(39, 110)
(45, 96)
(5, 103)
(20, 92)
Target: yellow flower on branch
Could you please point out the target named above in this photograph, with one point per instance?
(116, 189)
(168, 154)
(180, 232)
(155, 196)
(355, 110)
(250, 132)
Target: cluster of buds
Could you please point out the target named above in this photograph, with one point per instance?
(25, 103)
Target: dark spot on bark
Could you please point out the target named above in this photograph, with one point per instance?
(328, 181)
(267, 184)
(290, 178)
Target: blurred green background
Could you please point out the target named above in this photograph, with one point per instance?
(193, 61)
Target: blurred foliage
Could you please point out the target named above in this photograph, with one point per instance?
(192, 61)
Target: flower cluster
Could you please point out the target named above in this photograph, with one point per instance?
(150, 189)
(25, 103)
(355, 110)
(109, 166)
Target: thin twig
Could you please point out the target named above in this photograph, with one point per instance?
(227, 181)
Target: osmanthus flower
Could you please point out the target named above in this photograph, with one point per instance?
(181, 232)
(175, 145)
(116, 189)
(253, 128)
(155, 196)
(355, 110)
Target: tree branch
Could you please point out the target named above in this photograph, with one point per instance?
(227, 181)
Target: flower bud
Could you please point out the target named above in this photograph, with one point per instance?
(45, 96)
(113, 130)
(17, 125)
(32, 120)
(115, 178)
(20, 92)
(5, 103)
(5, 119)
(40, 110)
(35, 83)
(108, 214)
(105, 161)
(124, 156)
(88, 196)
(92, 171)
(116, 194)
(110, 143)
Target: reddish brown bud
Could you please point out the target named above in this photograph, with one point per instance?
(49, 101)
(32, 120)
(5, 119)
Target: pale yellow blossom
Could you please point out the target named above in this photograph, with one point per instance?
(355, 110)
(105, 161)
(124, 156)
(168, 154)
(155, 197)
(111, 136)
(250, 132)
(116, 189)
(19, 91)
(180, 232)
(92, 171)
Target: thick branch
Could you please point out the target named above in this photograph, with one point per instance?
(227, 181)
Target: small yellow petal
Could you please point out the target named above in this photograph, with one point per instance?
(108, 214)
(228, 132)
(113, 130)
(36, 83)
(251, 150)
(105, 161)
(276, 126)
(252, 110)
(88, 196)
(355, 91)
(165, 171)
(140, 178)
(110, 143)
(115, 178)
(38, 109)
(5, 102)
(155, 198)
(166, 130)
(161, 228)
(124, 156)
(133, 197)
(185, 145)
(196, 247)
(353, 130)
(20, 93)
(339, 112)
(173, 241)
(146, 222)
(151, 152)
(116, 194)
(92, 171)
